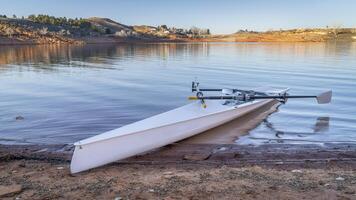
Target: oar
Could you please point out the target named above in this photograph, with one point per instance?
(322, 98)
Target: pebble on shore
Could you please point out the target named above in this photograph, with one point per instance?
(10, 190)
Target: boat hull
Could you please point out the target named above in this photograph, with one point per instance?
(104, 151)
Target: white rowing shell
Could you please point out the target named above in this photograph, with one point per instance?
(155, 132)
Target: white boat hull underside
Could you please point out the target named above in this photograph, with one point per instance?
(155, 132)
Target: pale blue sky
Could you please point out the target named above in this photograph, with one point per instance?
(224, 16)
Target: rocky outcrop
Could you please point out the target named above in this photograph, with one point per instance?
(13, 33)
(10, 190)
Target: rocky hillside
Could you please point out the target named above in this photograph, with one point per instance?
(43, 29)
(23, 31)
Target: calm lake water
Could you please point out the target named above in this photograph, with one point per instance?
(67, 93)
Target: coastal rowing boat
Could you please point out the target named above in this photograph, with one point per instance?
(171, 126)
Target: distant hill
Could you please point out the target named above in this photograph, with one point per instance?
(292, 35)
(109, 24)
(44, 29)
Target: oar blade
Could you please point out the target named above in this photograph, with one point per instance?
(325, 97)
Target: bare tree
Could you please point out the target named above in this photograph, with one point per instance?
(121, 33)
(198, 32)
(44, 31)
(336, 28)
(62, 32)
(195, 30)
(9, 32)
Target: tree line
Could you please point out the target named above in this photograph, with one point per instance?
(60, 21)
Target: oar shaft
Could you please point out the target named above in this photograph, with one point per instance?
(212, 97)
(219, 90)
(282, 97)
(207, 90)
(250, 97)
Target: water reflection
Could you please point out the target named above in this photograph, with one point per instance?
(321, 125)
(96, 54)
(273, 134)
(54, 54)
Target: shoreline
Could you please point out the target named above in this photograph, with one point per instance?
(158, 42)
(184, 171)
(282, 36)
(230, 38)
(277, 156)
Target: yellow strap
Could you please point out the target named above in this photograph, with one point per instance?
(193, 98)
(196, 98)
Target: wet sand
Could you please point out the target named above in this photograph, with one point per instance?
(208, 166)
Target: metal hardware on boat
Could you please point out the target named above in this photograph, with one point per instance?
(249, 95)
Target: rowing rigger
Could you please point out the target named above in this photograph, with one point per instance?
(249, 95)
